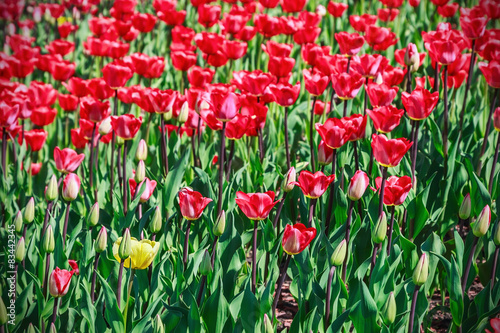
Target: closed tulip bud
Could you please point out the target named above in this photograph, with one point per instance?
(358, 185)
(20, 250)
(268, 326)
(93, 217)
(101, 242)
(421, 272)
(125, 245)
(3, 313)
(29, 211)
(412, 58)
(158, 325)
(71, 187)
(389, 310)
(380, 229)
(480, 227)
(220, 224)
(52, 328)
(49, 243)
(31, 329)
(52, 191)
(119, 141)
(156, 222)
(140, 172)
(465, 208)
(321, 10)
(206, 264)
(141, 153)
(168, 115)
(183, 115)
(496, 235)
(18, 222)
(288, 181)
(105, 127)
(338, 255)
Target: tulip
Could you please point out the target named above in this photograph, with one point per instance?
(465, 207)
(357, 186)
(205, 265)
(148, 191)
(141, 154)
(412, 58)
(325, 154)
(389, 310)
(220, 224)
(93, 216)
(349, 43)
(71, 187)
(67, 160)
(380, 38)
(126, 126)
(381, 94)
(192, 203)
(334, 132)
(93, 109)
(35, 139)
(419, 103)
(385, 118)
(29, 211)
(480, 227)
(20, 250)
(389, 152)
(339, 254)
(336, 9)
(347, 85)
(313, 185)
(18, 222)
(59, 282)
(420, 275)
(141, 255)
(156, 222)
(116, 74)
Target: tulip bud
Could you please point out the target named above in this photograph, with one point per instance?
(101, 241)
(71, 187)
(321, 10)
(52, 328)
(480, 227)
(290, 177)
(338, 255)
(412, 58)
(156, 221)
(220, 224)
(49, 243)
(168, 115)
(206, 264)
(465, 208)
(105, 127)
(119, 141)
(158, 325)
(141, 153)
(184, 113)
(3, 313)
(389, 310)
(20, 250)
(358, 185)
(380, 229)
(93, 217)
(268, 326)
(18, 222)
(496, 235)
(421, 272)
(125, 245)
(31, 329)
(52, 191)
(29, 211)
(140, 172)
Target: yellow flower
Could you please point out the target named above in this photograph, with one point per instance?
(142, 255)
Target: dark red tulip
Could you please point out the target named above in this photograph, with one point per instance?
(315, 82)
(420, 103)
(256, 206)
(285, 94)
(381, 94)
(396, 189)
(67, 160)
(126, 126)
(314, 185)
(385, 118)
(389, 153)
(347, 85)
(67, 102)
(496, 119)
(296, 238)
(116, 74)
(35, 139)
(334, 132)
(336, 9)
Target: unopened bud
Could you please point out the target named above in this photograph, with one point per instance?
(20, 250)
(158, 325)
(220, 224)
(140, 172)
(465, 208)
(339, 254)
(52, 328)
(421, 272)
(101, 242)
(156, 221)
(105, 127)
(412, 58)
(380, 229)
(184, 113)
(389, 310)
(93, 217)
(71, 187)
(268, 326)
(52, 191)
(357, 186)
(480, 227)
(29, 211)
(290, 178)
(168, 115)
(141, 153)
(125, 248)
(496, 235)
(31, 329)
(18, 222)
(206, 264)
(49, 243)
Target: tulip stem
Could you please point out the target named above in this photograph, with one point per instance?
(66, 218)
(485, 140)
(281, 280)
(311, 135)
(312, 206)
(413, 306)
(54, 312)
(414, 150)
(328, 297)
(494, 269)
(467, 87)
(370, 164)
(113, 143)
(331, 196)
(366, 98)
(445, 120)
(374, 258)
(345, 105)
(356, 156)
(119, 289)
(163, 147)
(130, 284)
(204, 277)
(287, 148)
(94, 275)
(221, 166)
(469, 263)
(391, 227)
(45, 283)
(278, 212)
(186, 244)
(91, 159)
(254, 256)
(493, 167)
(436, 78)
(230, 160)
(46, 220)
(382, 189)
(260, 137)
(347, 238)
(4, 152)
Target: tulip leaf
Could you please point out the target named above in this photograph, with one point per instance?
(364, 311)
(215, 311)
(112, 314)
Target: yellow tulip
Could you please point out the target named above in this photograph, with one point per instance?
(142, 255)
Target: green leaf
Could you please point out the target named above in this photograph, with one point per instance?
(112, 314)
(364, 312)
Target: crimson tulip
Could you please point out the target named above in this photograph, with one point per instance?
(116, 74)
(256, 206)
(35, 139)
(313, 185)
(67, 102)
(281, 67)
(420, 103)
(444, 52)
(380, 38)
(208, 15)
(98, 88)
(183, 60)
(199, 77)
(296, 238)
(334, 132)
(234, 49)
(381, 94)
(148, 191)
(276, 49)
(126, 126)
(285, 94)
(369, 65)
(94, 110)
(71, 187)
(396, 189)
(224, 106)
(357, 122)
(315, 82)
(491, 72)
(473, 27)
(389, 153)
(62, 70)
(67, 160)
(336, 9)
(236, 128)
(8, 115)
(76, 86)
(144, 22)
(349, 43)
(192, 203)
(293, 6)
(360, 23)
(347, 85)
(254, 82)
(61, 47)
(385, 118)
(43, 116)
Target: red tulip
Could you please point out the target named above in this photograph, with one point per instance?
(281, 67)
(369, 65)
(234, 49)
(8, 115)
(389, 153)
(118, 50)
(448, 10)
(267, 26)
(296, 238)
(208, 42)
(412, 58)
(71, 187)
(420, 103)
(199, 77)
(41, 94)
(379, 38)
(192, 203)
(269, 3)
(321, 107)
(59, 281)
(183, 60)
(313, 185)
(66, 28)
(149, 67)
(496, 119)
(148, 191)
(256, 206)
(444, 52)
(253, 83)
(224, 106)
(381, 94)
(67, 102)
(293, 6)
(236, 128)
(144, 22)
(76, 86)
(349, 43)
(491, 72)
(385, 118)
(98, 88)
(276, 49)
(306, 35)
(67, 160)
(61, 47)
(325, 154)
(334, 132)
(347, 85)
(208, 15)
(360, 23)
(336, 9)
(161, 100)
(78, 139)
(94, 110)
(116, 74)
(387, 14)
(396, 189)
(392, 76)
(285, 94)
(126, 126)
(315, 82)
(233, 23)
(357, 123)
(43, 116)
(490, 8)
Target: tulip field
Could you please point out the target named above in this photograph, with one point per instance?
(250, 166)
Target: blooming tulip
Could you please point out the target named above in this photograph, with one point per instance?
(148, 191)
(126, 126)
(141, 255)
(385, 118)
(334, 132)
(192, 203)
(296, 238)
(389, 153)
(420, 103)
(396, 189)
(256, 206)
(67, 160)
(313, 185)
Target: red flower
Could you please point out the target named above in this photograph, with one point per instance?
(269, 3)
(496, 119)
(336, 9)
(285, 94)
(296, 238)
(448, 10)
(420, 103)
(360, 23)
(98, 88)
(126, 126)
(67, 160)
(43, 116)
(293, 6)
(280, 67)
(61, 47)
(183, 60)
(334, 132)
(76, 86)
(149, 67)
(78, 139)
(321, 107)
(254, 82)
(208, 15)
(192, 203)
(276, 49)
(393, 76)
(387, 14)
(358, 185)
(379, 38)
(306, 35)
(313, 185)
(116, 74)
(236, 128)
(473, 27)
(161, 100)
(357, 123)
(315, 82)
(8, 115)
(491, 72)
(118, 50)
(325, 154)
(66, 28)
(349, 43)
(385, 118)
(144, 22)
(35, 139)
(148, 191)
(62, 70)
(224, 106)
(381, 94)
(59, 282)
(256, 206)
(94, 110)
(234, 23)
(199, 77)
(396, 189)
(369, 65)
(266, 25)
(234, 50)
(347, 85)
(41, 94)
(67, 102)
(389, 153)
(444, 52)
